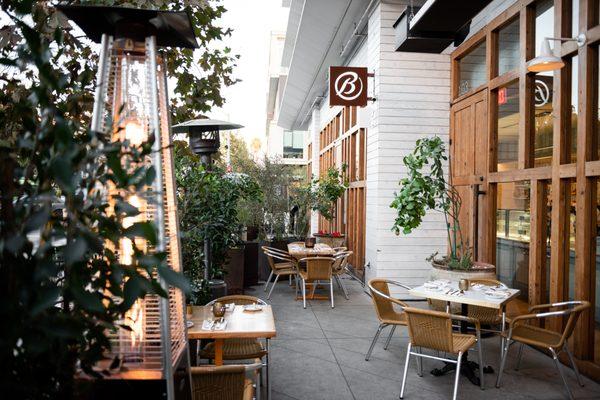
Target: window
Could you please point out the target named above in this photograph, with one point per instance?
(472, 69)
(572, 123)
(508, 126)
(513, 235)
(508, 47)
(293, 144)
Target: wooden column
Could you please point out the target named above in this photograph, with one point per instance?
(537, 245)
(526, 116)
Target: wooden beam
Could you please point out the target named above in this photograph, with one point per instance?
(521, 175)
(537, 246)
(526, 111)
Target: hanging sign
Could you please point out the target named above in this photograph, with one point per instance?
(348, 86)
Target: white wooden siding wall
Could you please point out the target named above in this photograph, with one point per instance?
(413, 94)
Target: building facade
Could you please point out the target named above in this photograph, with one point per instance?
(523, 146)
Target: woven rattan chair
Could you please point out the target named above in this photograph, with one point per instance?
(528, 334)
(281, 263)
(223, 382)
(238, 348)
(433, 330)
(384, 307)
(340, 249)
(339, 268)
(317, 269)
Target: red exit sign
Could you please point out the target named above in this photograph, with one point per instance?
(501, 96)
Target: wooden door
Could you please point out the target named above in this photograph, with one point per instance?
(468, 169)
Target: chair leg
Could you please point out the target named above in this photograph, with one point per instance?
(481, 365)
(389, 339)
(339, 279)
(457, 375)
(572, 360)
(304, 292)
(331, 291)
(273, 287)
(290, 280)
(560, 372)
(519, 356)
(268, 280)
(420, 363)
(504, 352)
(381, 326)
(405, 370)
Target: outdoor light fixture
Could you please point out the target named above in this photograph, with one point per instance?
(204, 140)
(547, 61)
(131, 101)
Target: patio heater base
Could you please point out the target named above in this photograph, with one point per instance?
(469, 369)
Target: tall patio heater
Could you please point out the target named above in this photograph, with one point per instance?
(204, 140)
(131, 102)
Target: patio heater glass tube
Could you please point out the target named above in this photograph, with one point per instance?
(131, 102)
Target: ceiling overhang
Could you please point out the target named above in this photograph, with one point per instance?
(317, 31)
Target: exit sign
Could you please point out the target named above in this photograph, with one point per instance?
(501, 96)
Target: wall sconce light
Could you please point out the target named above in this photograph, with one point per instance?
(547, 61)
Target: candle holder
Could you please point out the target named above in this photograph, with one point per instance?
(309, 243)
(463, 284)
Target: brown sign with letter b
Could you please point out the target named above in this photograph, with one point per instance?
(348, 86)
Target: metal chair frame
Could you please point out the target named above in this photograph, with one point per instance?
(278, 255)
(458, 361)
(343, 255)
(579, 307)
(306, 260)
(383, 325)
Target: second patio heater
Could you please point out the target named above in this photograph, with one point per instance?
(131, 101)
(203, 135)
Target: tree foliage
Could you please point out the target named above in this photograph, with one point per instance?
(327, 189)
(425, 188)
(208, 202)
(63, 287)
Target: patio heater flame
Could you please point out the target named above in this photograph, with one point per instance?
(131, 101)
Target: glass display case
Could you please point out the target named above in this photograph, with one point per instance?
(513, 224)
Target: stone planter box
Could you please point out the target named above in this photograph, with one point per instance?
(480, 270)
(234, 277)
(333, 241)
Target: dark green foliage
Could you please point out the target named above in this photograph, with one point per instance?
(425, 189)
(326, 191)
(208, 208)
(62, 288)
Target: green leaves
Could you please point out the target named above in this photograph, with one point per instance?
(144, 229)
(327, 189)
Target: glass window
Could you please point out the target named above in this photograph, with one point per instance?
(293, 144)
(575, 17)
(472, 69)
(543, 88)
(508, 126)
(572, 202)
(597, 300)
(508, 47)
(512, 235)
(574, 105)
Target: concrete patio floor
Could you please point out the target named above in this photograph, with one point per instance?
(319, 353)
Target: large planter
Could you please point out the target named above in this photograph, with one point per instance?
(250, 264)
(234, 270)
(480, 270)
(332, 241)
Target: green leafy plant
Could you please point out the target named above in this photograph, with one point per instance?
(425, 188)
(326, 191)
(208, 208)
(63, 288)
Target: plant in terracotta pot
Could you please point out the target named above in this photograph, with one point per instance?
(425, 188)
(326, 191)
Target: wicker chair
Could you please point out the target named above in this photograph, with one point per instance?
(534, 336)
(433, 330)
(239, 348)
(339, 268)
(317, 269)
(286, 266)
(384, 306)
(340, 249)
(223, 382)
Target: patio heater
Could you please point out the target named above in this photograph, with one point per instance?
(204, 140)
(131, 102)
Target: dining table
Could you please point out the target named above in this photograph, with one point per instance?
(241, 323)
(300, 251)
(450, 293)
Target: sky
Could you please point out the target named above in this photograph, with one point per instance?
(246, 101)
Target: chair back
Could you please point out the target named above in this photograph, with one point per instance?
(574, 310)
(238, 299)
(340, 261)
(430, 329)
(318, 267)
(274, 255)
(380, 293)
(217, 383)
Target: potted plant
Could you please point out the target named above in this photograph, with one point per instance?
(326, 191)
(425, 188)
